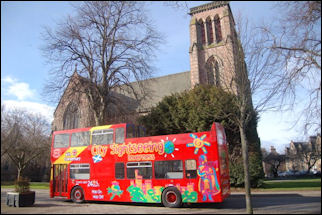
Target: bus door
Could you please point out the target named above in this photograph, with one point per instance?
(60, 180)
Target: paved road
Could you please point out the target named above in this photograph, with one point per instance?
(304, 202)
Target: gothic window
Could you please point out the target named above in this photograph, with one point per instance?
(210, 74)
(71, 117)
(218, 29)
(213, 74)
(198, 33)
(201, 31)
(210, 71)
(217, 74)
(210, 33)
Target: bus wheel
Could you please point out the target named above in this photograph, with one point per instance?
(77, 195)
(171, 197)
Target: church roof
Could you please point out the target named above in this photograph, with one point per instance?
(157, 88)
(208, 6)
(160, 87)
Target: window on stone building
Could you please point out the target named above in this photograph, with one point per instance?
(210, 71)
(218, 29)
(201, 32)
(217, 74)
(213, 74)
(71, 117)
(210, 34)
(210, 74)
(203, 35)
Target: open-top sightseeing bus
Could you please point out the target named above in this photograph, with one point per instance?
(117, 163)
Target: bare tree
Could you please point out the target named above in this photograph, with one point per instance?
(24, 137)
(269, 68)
(112, 44)
(252, 80)
(274, 160)
(255, 83)
(305, 154)
(310, 155)
(294, 39)
(270, 74)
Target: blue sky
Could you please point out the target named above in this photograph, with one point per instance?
(24, 70)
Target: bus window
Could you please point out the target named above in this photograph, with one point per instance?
(119, 135)
(61, 141)
(119, 171)
(80, 139)
(102, 137)
(139, 170)
(137, 131)
(168, 169)
(191, 169)
(79, 171)
(141, 131)
(220, 136)
(130, 131)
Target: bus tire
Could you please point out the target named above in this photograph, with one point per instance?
(77, 195)
(171, 197)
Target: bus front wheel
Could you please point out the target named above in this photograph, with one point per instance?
(77, 195)
(171, 197)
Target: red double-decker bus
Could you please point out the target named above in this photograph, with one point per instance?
(118, 163)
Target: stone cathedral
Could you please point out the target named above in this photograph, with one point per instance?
(213, 42)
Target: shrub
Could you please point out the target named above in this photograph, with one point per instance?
(22, 185)
(196, 110)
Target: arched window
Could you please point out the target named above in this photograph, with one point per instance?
(210, 71)
(210, 33)
(213, 73)
(218, 29)
(198, 32)
(202, 33)
(217, 74)
(71, 116)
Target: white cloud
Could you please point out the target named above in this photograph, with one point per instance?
(21, 90)
(9, 80)
(31, 107)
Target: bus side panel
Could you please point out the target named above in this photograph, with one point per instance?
(223, 159)
(113, 175)
(200, 147)
(51, 190)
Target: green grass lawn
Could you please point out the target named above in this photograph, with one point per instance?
(33, 185)
(272, 185)
(287, 185)
(298, 184)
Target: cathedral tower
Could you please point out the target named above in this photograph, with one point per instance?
(213, 43)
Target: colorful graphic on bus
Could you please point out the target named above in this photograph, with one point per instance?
(118, 163)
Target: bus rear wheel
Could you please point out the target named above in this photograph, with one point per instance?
(171, 197)
(77, 195)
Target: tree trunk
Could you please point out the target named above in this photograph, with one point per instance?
(19, 173)
(99, 116)
(249, 207)
(97, 121)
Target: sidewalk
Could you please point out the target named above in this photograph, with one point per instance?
(300, 202)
